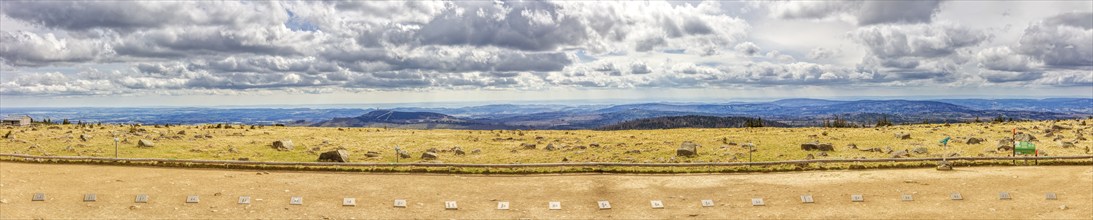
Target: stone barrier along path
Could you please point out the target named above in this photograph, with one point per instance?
(477, 196)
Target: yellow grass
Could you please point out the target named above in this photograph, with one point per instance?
(656, 146)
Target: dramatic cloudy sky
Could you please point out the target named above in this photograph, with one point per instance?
(72, 53)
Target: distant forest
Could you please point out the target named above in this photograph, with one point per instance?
(692, 121)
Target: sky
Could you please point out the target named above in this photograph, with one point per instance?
(214, 53)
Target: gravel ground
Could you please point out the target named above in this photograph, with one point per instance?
(528, 195)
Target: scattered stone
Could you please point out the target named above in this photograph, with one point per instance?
(565, 159)
(1066, 144)
(750, 147)
(528, 146)
(1024, 137)
(403, 154)
(341, 156)
(594, 145)
(432, 150)
(633, 151)
(823, 153)
(900, 154)
(1005, 144)
(550, 147)
(817, 146)
(920, 150)
(944, 166)
(183, 132)
(852, 146)
(872, 149)
(458, 151)
(687, 149)
(429, 156)
(903, 136)
(9, 135)
(476, 151)
(283, 145)
(372, 154)
(810, 157)
(1063, 207)
(974, 140)
(85, 137)
(145, 143)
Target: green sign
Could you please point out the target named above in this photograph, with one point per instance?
(1024, 147)
(944, 141)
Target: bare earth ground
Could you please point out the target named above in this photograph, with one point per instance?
(629, 195)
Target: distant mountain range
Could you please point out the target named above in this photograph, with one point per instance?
(690, 121)
(786, 112)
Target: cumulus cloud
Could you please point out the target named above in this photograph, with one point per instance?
(1065, 40)
(124, 48)
(918, 51)
(860, 12)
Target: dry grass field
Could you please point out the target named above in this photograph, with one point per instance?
(505, 146)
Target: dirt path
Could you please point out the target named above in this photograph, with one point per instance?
(629, 195)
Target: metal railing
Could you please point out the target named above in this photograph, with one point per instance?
(533, 165)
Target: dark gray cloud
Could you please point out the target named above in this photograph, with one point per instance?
(125, 15)
(889, 12)
(1064, 41)
(920, 51)
(864, 12)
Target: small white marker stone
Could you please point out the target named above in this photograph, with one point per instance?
(757, 202)
(857, 198)
(707, 203)
(502, 205)
(349, 201)
(657, 204)
(244, 200)
(192, 199)
(807, 199)
(555, 205)
(142, 198)
(38, 197)
(89, 197)
(296, 200)
(1051, 196)
(956, 196)
(450, 205)
(604, 204)
(907, 197)
(400, 203)
(1004, 196)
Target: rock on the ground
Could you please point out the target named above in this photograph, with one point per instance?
(476, 151)
(810, 157)
(528, 146)
(687, 149)
(1005, 144)
(550, 147)
(1024, 137)
(372, 154)
(145, 143)
(944, 166)
(817, 146)
(974, 140)
(900, 154)
(1066, 144)
(458, 151)
(403, 154)
(335, 156)
(85, 137)
(429, 156)
(920, 150)
(282, 145)
(903, 136)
